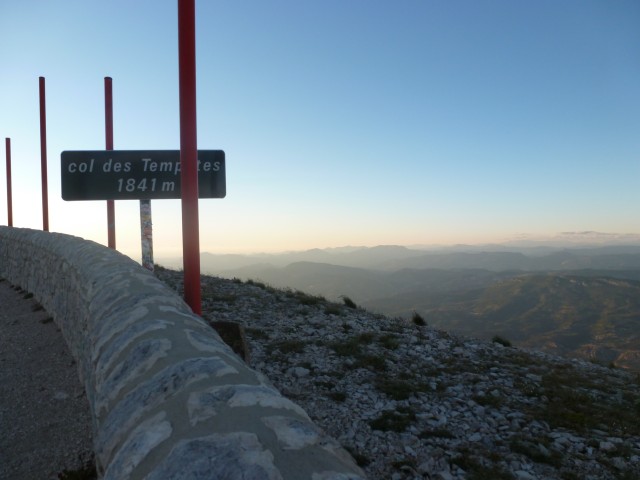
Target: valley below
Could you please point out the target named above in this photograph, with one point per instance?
(576, 302)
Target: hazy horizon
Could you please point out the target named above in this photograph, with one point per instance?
(563, 240)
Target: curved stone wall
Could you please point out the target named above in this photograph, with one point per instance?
(169, 399)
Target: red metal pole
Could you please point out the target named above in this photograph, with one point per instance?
(9, 195)
(108, 128)
(189, 154)
(43, 158)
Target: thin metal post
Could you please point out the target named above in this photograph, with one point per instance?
(108, 129)
(146, 234)
(189, 154)
(9, 195)
(43, 157)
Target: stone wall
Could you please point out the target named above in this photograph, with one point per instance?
(169, 399)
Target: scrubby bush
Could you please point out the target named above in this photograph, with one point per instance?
(501, 340)
(332, 309)
(348, 302)
(417, 319)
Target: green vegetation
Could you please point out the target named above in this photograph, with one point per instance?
(478, 471)
(346, 348)
(348, 302)
(287, 346)
(256, 333)
(256, 283)
(490, 400)
(356, 348)
(353, 345)
(534, 452)
(398, 465)
(37, 308)
(220, 297)
(417, 319)
(86, 472)
(399, 389)
(346, 328)
(394, 420)
(371, 362)
(305, 298)
(332, 309)
(365, 338)
(338, 396)
(437, 433)
(389, 341)
(324, 384)
(582, 402)
(361, 460)
(501, 340)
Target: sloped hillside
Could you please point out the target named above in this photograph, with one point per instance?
(591, 317)
(413, 402)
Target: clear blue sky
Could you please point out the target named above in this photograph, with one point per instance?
(344, 122)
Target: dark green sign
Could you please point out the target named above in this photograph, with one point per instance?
(137, 174)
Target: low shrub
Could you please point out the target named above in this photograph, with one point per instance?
(501, 340)
(348, 302)
(417, 319)
(394, 420)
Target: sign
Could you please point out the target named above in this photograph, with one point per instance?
(137, 174)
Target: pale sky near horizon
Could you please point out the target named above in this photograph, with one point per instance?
(344, 122)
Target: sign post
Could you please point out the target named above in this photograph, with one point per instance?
(108, 133)
(188, 153)
(43, 157)
(9, 194)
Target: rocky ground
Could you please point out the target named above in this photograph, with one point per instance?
(412, 402)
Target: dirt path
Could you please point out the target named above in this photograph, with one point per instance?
(45, 425)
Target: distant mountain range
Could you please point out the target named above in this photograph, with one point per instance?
(393, 257)
(581, 302)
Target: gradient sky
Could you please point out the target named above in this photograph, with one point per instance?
(344, 122)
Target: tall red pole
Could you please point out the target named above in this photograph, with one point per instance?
(9, 195)
(108, 133)
(189, 153)
(43, 158)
